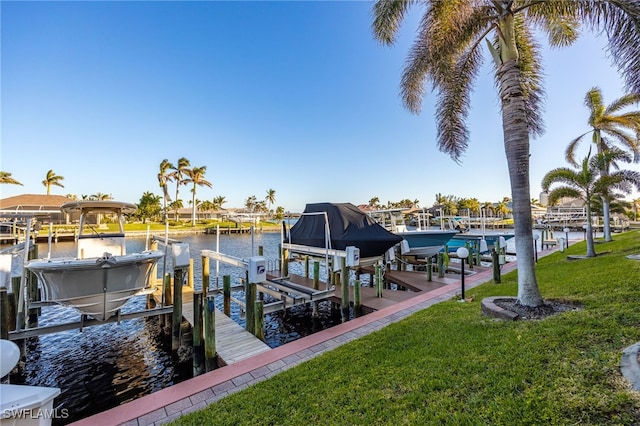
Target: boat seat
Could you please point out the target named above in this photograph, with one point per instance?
(90, 246)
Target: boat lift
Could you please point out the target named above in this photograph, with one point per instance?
(287, 292)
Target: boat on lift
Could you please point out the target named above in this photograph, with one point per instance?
(420, 241)
(103, 276)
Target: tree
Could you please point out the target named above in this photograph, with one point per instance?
(5, 177)
(99, 196)
(270, 198)
(250, 203)
(608, 126)
(219, 201)
(164, 176)
(178, 175)
(195, 176)
(52, 179)
(149, 206)
(374, 202)
(447, 55)
(587, 182)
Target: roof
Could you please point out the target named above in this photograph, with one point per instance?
(33, 202)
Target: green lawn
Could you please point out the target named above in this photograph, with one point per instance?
(448, 364)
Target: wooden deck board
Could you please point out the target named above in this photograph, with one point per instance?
(233, 343)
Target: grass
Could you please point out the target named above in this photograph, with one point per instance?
(448, 364)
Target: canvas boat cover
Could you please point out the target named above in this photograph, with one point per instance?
(348, 227)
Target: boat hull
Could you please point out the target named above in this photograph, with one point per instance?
(426, 243)
(98, 287)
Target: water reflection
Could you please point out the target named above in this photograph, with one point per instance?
(104, 366)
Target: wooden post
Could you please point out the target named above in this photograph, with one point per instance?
(285, 263)
(345, 303)
(430, 268)
(441, 264)
(15, 286)
(250, 300)
(5, 311)
(205, 274)
(495, 262)
(378, 270)
(226, 292)
(210, 334)
(470, 256)
(259, 325)
(357, 297)
(32, 289)
(198, 335)
(306, 266)
(176, 316)
(190, 274)
(260, 251)
(167, 300)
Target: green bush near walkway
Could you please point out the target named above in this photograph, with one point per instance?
(449, 364)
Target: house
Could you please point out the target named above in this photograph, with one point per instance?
(39, 205)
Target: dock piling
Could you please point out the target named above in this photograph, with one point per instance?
(344, 305)
(210, 334)
(226, 291)
(198, 335)
(176, 316)
(259, 319)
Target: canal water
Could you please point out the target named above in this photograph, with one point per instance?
(104, 366)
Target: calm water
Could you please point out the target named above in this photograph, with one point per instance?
(104, 366)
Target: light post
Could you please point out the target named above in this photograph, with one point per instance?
(536, 237)
(566, 237)
(463, 254)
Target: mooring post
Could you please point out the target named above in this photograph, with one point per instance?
(259, 319)
(226, 291)
(441, 264)
(5, 311)
(250, 301)
(176, 317)
(32, 289)
(198, 347)
(316, 286)
(205, 274)
(190, 274)
(167, 299)
(430, 268)
(260, 251)
(344, 306)
(210, 333)
(378, 270)
(495, 262)
(15, 292)
(306, 266)
(285, 263)
(357, 297)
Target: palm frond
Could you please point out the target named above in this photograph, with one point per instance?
(388, 15)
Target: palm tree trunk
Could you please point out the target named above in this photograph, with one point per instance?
(516, 145)
(193, 205)
(591, 251)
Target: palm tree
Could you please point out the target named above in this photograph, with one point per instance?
(196, 177)
(608, 126)
(270, 198)
(52, 179)
(163, 178)
(179, 173)
(219, 201)
(587, 182)
(5, 177)
(447, 55)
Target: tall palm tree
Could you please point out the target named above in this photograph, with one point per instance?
(178, 173)
(587, 182)
(164, 176)
(196, 177)
(447, 55)
(52, 179)
(610, 126)
(270, 198)
(219, 201)
(5, 177)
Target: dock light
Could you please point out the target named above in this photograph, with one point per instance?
(566, 236)
(584, 229)
(536, 237)
(462, 254)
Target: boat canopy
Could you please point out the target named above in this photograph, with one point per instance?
(86, 206)
(348, 226)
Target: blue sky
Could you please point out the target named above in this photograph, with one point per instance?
(292, 96)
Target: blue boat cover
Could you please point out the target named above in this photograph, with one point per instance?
(348, 226)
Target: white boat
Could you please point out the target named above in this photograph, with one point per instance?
(22, 405)
(420, 241)
(102, 277)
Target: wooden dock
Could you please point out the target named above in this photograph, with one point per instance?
(233, 343)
